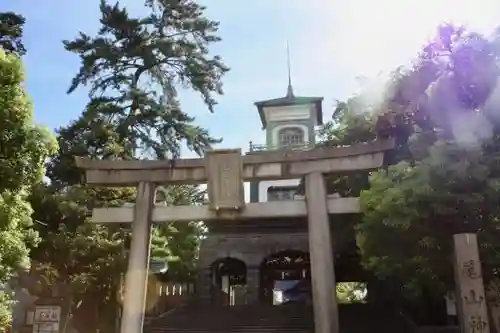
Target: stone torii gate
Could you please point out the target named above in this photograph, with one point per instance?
(224, 172)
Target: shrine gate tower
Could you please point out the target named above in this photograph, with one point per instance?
(267, 261)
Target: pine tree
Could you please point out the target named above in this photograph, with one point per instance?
(134, 67)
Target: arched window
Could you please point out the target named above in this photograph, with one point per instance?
(290, 136)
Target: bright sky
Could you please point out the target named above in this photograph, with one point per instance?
(333, 42)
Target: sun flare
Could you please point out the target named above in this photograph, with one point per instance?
(379, 35)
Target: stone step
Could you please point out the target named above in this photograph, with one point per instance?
(284, 318)
(260, 330)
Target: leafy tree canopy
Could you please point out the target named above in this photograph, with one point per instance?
(443, 177)
(23, 150)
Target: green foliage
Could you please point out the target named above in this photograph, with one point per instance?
(23, 150)
(11, 32)
(83, 266)
(24, 146)
(352, 122)
(71, 260)
(181, 239)
(133, 68)
(411, 213)
(87, 259)
(351, 292)
(447, 181)
(443, 177)
(5, 309)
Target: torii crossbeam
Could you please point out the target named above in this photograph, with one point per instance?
(224, 172)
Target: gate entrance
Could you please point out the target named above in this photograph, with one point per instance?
(229, 278)
(285, 277)
(224, 172)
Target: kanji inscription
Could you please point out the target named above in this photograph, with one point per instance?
(471, 301)
(225, 179)
(471, 269)
(478, 324)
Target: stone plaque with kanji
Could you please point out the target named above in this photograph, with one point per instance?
(225, 179)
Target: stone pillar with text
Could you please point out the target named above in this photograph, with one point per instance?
(470, 296)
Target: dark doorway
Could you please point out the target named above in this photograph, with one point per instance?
(285, 277)
(229, 281)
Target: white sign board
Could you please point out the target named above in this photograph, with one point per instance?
(47, 319)
(451, 304)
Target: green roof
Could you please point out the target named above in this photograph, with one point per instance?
(290, 99)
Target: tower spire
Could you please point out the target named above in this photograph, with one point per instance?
(289, 92)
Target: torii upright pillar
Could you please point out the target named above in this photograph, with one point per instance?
(326, 319)
(138, 263)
